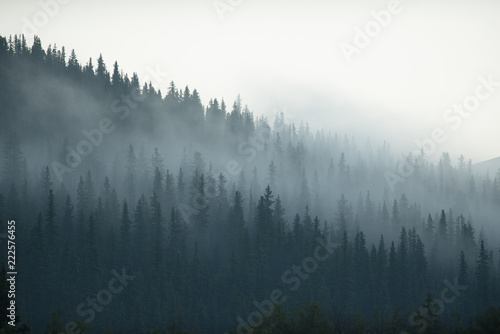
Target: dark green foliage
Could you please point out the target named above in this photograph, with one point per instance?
(212, 242)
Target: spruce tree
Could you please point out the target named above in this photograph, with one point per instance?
(483, 277)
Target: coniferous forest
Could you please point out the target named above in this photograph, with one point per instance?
(141, 211)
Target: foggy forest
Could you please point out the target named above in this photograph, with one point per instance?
(142, 211)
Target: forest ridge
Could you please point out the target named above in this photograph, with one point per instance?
(211, 220)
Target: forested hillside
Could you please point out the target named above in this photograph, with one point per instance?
(138, 210)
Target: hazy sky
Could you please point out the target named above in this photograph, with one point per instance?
(287, 54)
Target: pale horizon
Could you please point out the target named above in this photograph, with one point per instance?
(287, 55)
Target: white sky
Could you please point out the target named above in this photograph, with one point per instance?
(286, 54)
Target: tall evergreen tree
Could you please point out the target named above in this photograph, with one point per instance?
(483, 277)
(51, 225)
(125, 235)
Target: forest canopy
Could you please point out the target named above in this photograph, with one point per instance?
(139, 210)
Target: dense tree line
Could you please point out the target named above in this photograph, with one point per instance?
(210, 210)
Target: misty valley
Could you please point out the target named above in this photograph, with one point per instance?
(132, 210)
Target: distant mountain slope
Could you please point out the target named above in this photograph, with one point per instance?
(492, 165)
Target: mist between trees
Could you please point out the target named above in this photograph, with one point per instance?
(155, 197)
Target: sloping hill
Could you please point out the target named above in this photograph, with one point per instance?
(492, 165)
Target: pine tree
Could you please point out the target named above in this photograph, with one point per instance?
(341, 215)
(381, 272)
(91, 262)
(141, 230)
(81, 196)
(45, 181)
(361, 270)
(67, 226)
(429, 229)
(343, 172)
(236, 219)
(443, 227)
(221, 189)
(305, 193)
(263, 218)
(272, 175)
(89, 191)
(177, 233)
(125, 236)
(346, 284)
(157, 230)
(393, 273)
(369, 210)
(395, 218)
(202, 206)
(242, 182)
(384, 216)
(37, 53)
(403, 269)
(180, 186)
(465, 301)
(279, 220)
(101, 70)
(170, 195)
(483, 277)
(158, 183)
(131, 169)
(37, 269)
(116, 80)
(51, 225)
(463, 277)
(157, 162)
(74, 68)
